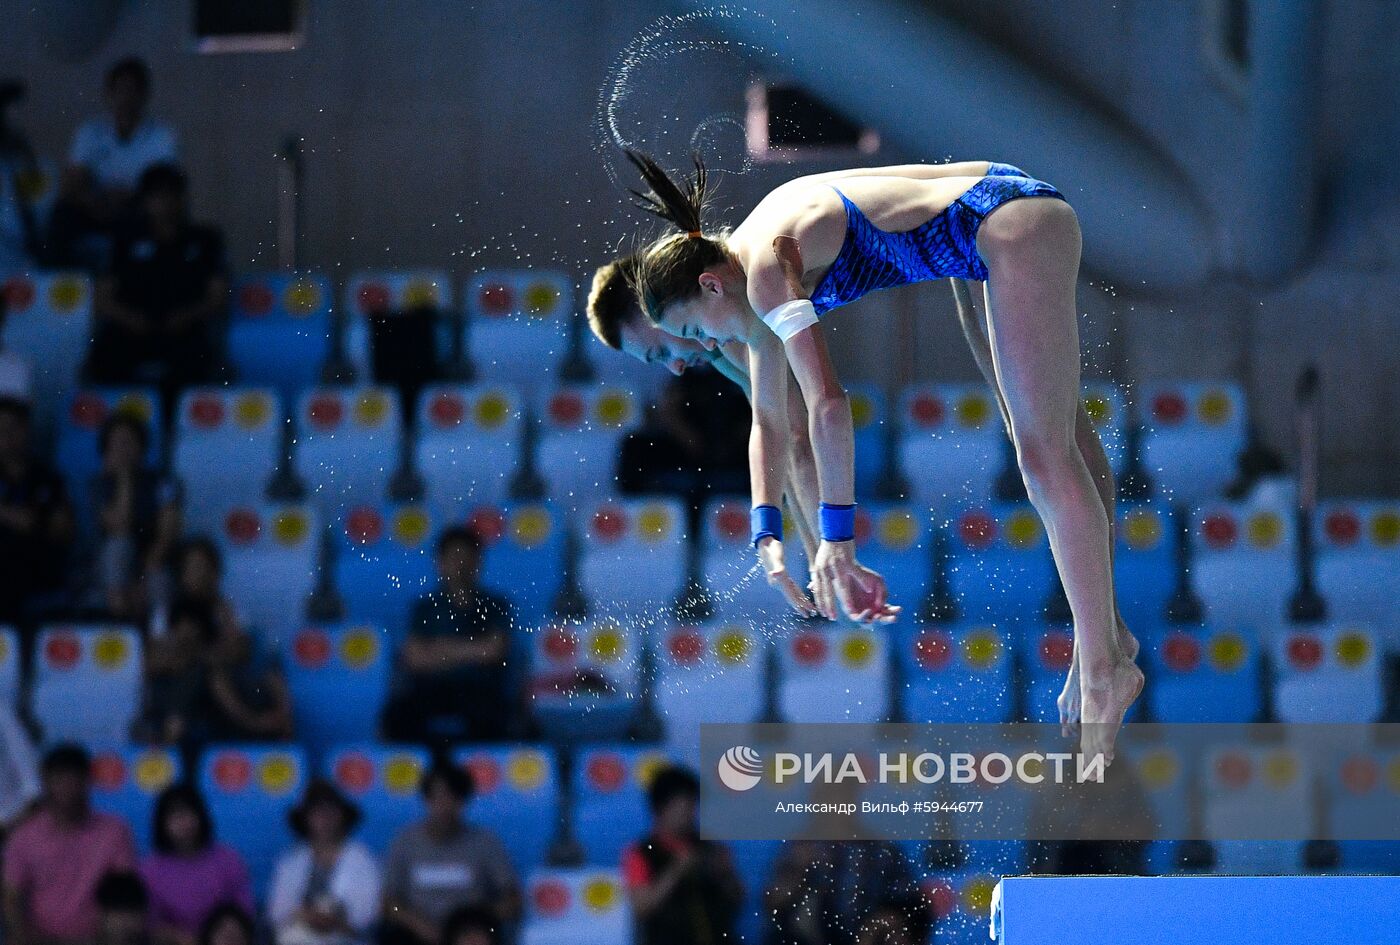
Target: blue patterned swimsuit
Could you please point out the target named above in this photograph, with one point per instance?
(871, 259)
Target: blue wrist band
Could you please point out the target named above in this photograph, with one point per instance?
(838, 522)
(766, 520)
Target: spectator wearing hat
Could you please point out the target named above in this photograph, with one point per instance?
(189, 875)
(326, 889)
(443, 864)
(56, 859)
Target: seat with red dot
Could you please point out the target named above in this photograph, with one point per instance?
(585, 678)
(77, 453)
(729, 565)
(87, 683)
(1330, 672)
(1204, 674)
(348, 445)
(956, 673)
(48, 323)
(279, 330)
(378, 294)
(523, 554)
(467, 445)
(950, 445)
(1192, 437)
(516, 795)
(1358, 563)
(961, 903)
(339, 678)
(586, 906)
(609, 787)
(384, 781)
(625, 540)
(999, 564)
(250, 790)
(581, 431)
(517, 327)
(384, 561)
(837, 675)
(1045, 652)
(127, 780)
(896, 540)
(708, 674)
(1248, 790)
(1244, 567)
(271, 561)
(228, 444)
(1360, 787)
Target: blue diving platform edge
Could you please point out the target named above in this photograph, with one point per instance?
(1196, 910)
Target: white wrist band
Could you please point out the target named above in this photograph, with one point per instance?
(791, 317)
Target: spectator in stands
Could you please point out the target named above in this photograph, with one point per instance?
(160, 298)
(443, 864)
(684, 889)
(452, 681)
(228, 925)
(55, 859)
(138, 518)
(248, 698)
(124, 905)
(107, 159)
(326, 889)
(196, 579)
(177, 678)
(472, 926)
(825, 893)
(36, 521)
(189, 875)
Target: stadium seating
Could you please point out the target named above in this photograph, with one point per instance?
(126, 781)
(48, 322)
(228, 444)
(339, 679)
(585, 678)
(1360, 792)
(87, 683)
(896, 541)
(1192, 436)
(730, 568)
(954, 674)
(11, 667)
(1144, 563)
(1327, 673)
(372, 294)
(1046, 653)
(1108, 412)
(868, 422)
(712, 673)
(250, 790)
(467, 445)
(961, 901)
(950, 447)
(348, 446)
(1204, 675)
(517, 795)
(581, 430)
(384, 780)
(626, 539)
(524, 554)
(999, 564)
(271, 555)
(1246, 790)
(77, 450)
(1244, 567)
(1358, 564)
(576, 907)
(384, 561)
(517, 327)
(609, 786)
(279, 330)
(839, 675)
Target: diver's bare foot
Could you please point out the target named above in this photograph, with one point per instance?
(1106, 700)
(1068, 701)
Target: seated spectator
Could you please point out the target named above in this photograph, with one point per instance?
(124, 905)
(138, 519)
(189, 876)
(228, 925)
(472, 926)
(825, 892)
(56, 858)
(326, 889)
(177, 679)
(108, 157)
(196, 579)
(36, 520)
(452, 681)
(160, 297)
(684, 889)
(444, 864)
(248, 699)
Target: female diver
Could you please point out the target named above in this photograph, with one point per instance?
(810, 246)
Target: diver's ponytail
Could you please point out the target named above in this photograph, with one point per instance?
(681, 207)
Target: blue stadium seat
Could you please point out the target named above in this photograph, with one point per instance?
(1358, 564)
(48, 322)
(1204, 675)
(1046, 653)
(1360, 792)
(11, 667)
(516, 796)
(999, 564)
(609, 787)
(228, 444)
(955, 674)
(467, 445)
(839, 675)
(730, 569)
(126, 781)
(369, 294)
(1192, 437)
(951, 444)
(585, 906)
(585, 678)
(339, 678)
(897, 541)
(384, 780)
(87, 683)
(581, 431)
(1144, 563)
(383, 561)
(250, 789)
(712, 673)
(76, 452)
(279, 330)
(961, 902)
(1327, 673)
(348, 445)
(271, 560)
(1244, 569)
(1108, 412)
(624, 538)
(517, 327)
(869, 423)
(524, 554)
(1245, 790)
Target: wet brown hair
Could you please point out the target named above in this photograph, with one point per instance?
(612, 302)
(669, 269)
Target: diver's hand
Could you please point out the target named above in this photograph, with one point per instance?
(770, 553)
(838, 579)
